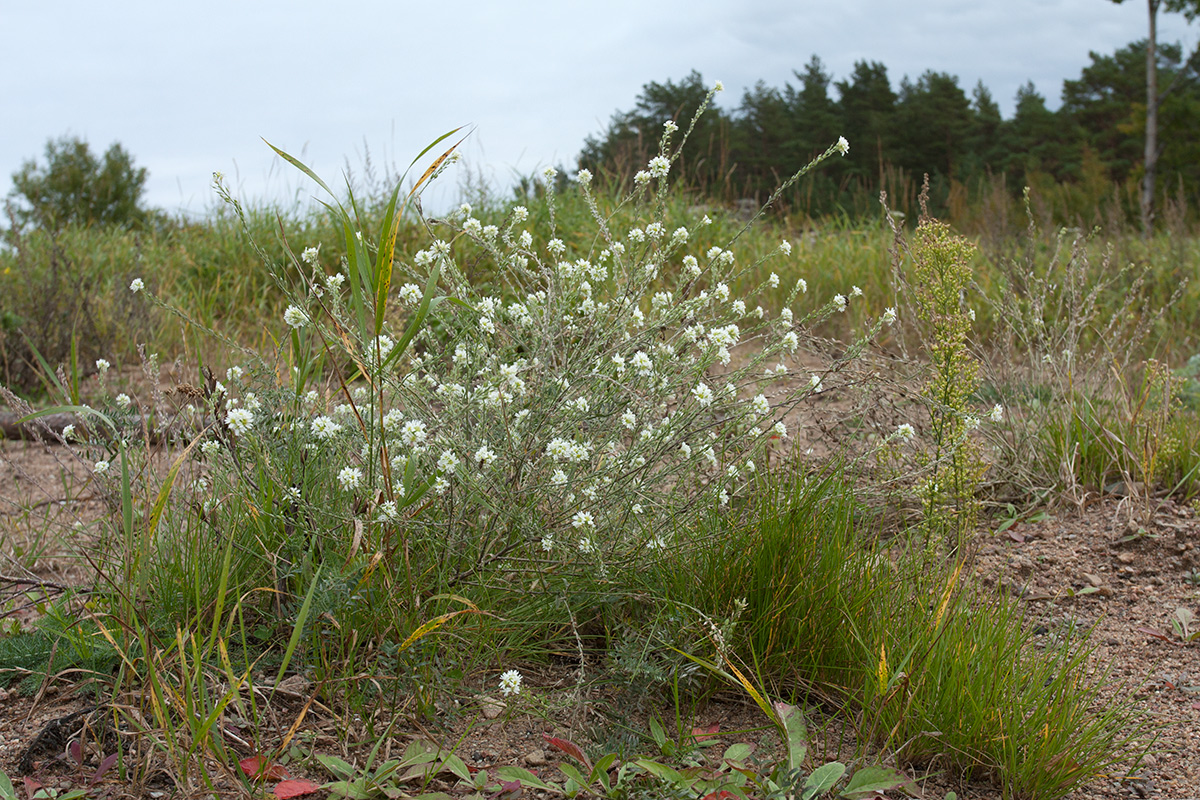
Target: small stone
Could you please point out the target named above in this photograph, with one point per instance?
(1150, 761)
(536, 758)
(1126, 558)
(293, 684)
(492, 707)
(1093, 579)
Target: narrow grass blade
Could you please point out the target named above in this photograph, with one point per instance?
(298, 627)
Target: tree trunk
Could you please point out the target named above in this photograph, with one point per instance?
(1151, 152)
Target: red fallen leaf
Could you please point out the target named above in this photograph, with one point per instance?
(724, 794)
(259, 769)
(570, 748)
(31, 787)
(706, 733)
(295, 788)
(1196, 706)
(1016, 537)
(1153, 633)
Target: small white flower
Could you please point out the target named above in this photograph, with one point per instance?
(510, 683)
(547, 543)
(773, 281)
(410, 294)
(815, 382)
(842, 145)
(786, 315)
(669, 126)
(906, 431)
(239, 420)
(586, 545)
(413, 433)
(295, 317)
(642, 363)
(641, 178)
(839, 300)
(123, 401)
(636, 508)
(703, 394)
(971, 314)
(210, 448)
(102, 365)
(780, 430)
(583, 519)
(234, 373)
(349, 478)
(761, 405)
(335, 281)
(485, 456)
(997, 413)
(791, 341)
(718, 86)
(629, 419)
(102, 467)
(584, 177)
(659, 166)
(309, 255)
(855, 291)
(324, 428)
(388, 510)
(137, 285)
(559, 478)
(448, 461)
(441, 486)
(686, 449)
(889, 316)
(68, 432)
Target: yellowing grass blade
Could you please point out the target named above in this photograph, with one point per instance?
(946, 594)
(433, 625)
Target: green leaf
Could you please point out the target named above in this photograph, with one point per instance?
(823, 778)
(738, 752)
(663, 772)
(349, 789)
(657, 733)
(869, 781)
(385, 258)
(335, 766)
(795, 731)
(456, 766)
(298, 626)
(573, 774)
(526, 778)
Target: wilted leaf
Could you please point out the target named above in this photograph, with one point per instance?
(295, 788)
(259, 769)
(570, 748)
(1153, 633)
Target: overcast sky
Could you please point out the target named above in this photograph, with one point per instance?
(190, 87)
